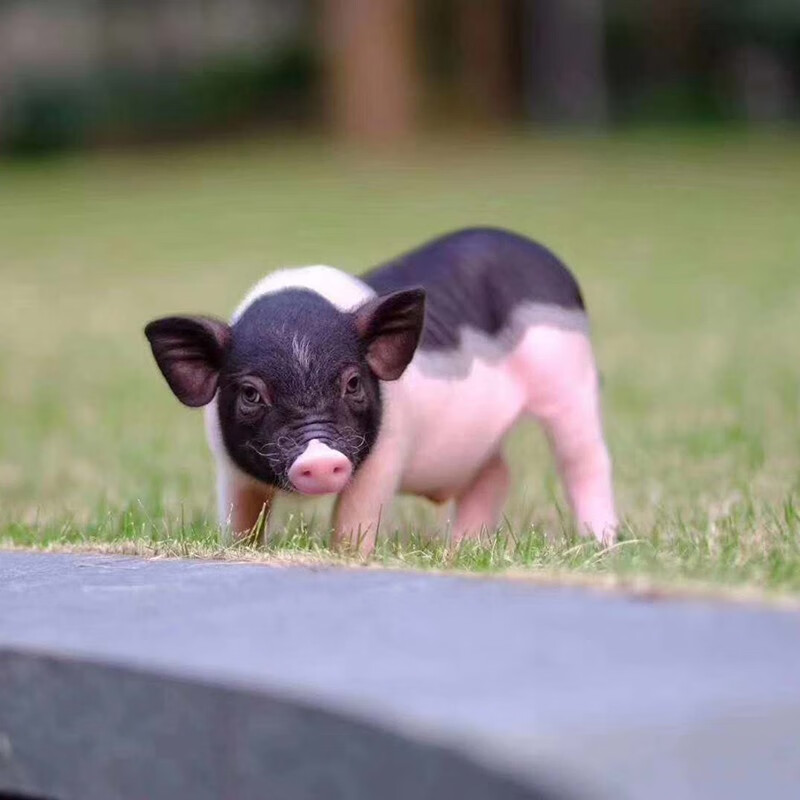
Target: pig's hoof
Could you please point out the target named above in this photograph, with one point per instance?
(609, 536)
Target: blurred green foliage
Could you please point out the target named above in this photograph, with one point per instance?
(676, 61)
(52, 113)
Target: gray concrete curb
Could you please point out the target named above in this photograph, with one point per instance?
(123, 678)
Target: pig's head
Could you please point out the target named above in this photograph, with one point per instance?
(297, 381)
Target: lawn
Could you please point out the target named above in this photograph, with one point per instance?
(687, 247)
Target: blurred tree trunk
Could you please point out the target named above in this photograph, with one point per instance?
(672, 35)
(567, 77)
(485, 61)
(370, 72)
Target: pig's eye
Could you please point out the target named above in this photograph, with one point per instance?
(250, 398)
(250, 395)
(353, 384)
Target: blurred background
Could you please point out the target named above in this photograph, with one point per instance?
(81, 73)
(160, 156)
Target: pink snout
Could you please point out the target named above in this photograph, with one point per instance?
(320, 470)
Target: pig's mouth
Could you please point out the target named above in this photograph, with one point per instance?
(316, 466)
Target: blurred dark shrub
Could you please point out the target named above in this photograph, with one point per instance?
(45, 115)
(704, 60)
(229, 91)
(51, 114)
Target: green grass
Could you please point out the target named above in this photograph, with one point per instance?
(688, 249)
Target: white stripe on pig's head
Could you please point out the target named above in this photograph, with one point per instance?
(294, 377)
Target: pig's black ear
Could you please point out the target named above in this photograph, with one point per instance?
(189, 352)
(391, 326)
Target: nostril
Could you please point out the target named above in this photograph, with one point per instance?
(320, 470)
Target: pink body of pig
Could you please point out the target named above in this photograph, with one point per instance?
(442, 436)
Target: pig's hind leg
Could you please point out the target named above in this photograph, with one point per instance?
(479, 505)
(563, 393)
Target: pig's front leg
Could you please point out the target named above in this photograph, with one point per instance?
(241, 506)
(364, 502)
(360, 510)
(478, 507)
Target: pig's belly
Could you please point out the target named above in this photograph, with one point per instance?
(458, 424)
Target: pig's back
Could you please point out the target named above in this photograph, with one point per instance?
(488, 280)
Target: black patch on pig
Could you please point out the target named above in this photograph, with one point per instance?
(297, 345)
(292, 368)
(476, 277)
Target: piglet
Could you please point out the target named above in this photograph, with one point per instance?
(407, 379)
